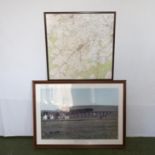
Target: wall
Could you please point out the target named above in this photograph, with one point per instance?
(22, 58)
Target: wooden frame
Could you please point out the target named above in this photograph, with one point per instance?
(79, 113)
(80, 45)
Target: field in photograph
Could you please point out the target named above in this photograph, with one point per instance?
(80, 129)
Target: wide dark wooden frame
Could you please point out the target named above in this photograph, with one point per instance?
(82, 12)
(123, 82)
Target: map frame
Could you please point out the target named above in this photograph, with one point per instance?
(80, 45)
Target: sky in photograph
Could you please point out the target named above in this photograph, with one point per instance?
(53, 98)
(98, 96)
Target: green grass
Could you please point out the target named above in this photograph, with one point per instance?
(23, 146)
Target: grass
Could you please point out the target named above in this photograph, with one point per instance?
(23, 146)
(80, 129)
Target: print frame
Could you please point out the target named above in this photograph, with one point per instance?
(80, 45)
(79, 114)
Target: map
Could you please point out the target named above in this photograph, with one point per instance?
(80, 46)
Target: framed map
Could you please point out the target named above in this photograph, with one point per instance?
(80, 45)
(79, 113)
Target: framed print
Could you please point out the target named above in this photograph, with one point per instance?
(80, 45)
(79, 113)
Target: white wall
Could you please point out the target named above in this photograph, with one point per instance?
(22, 58)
